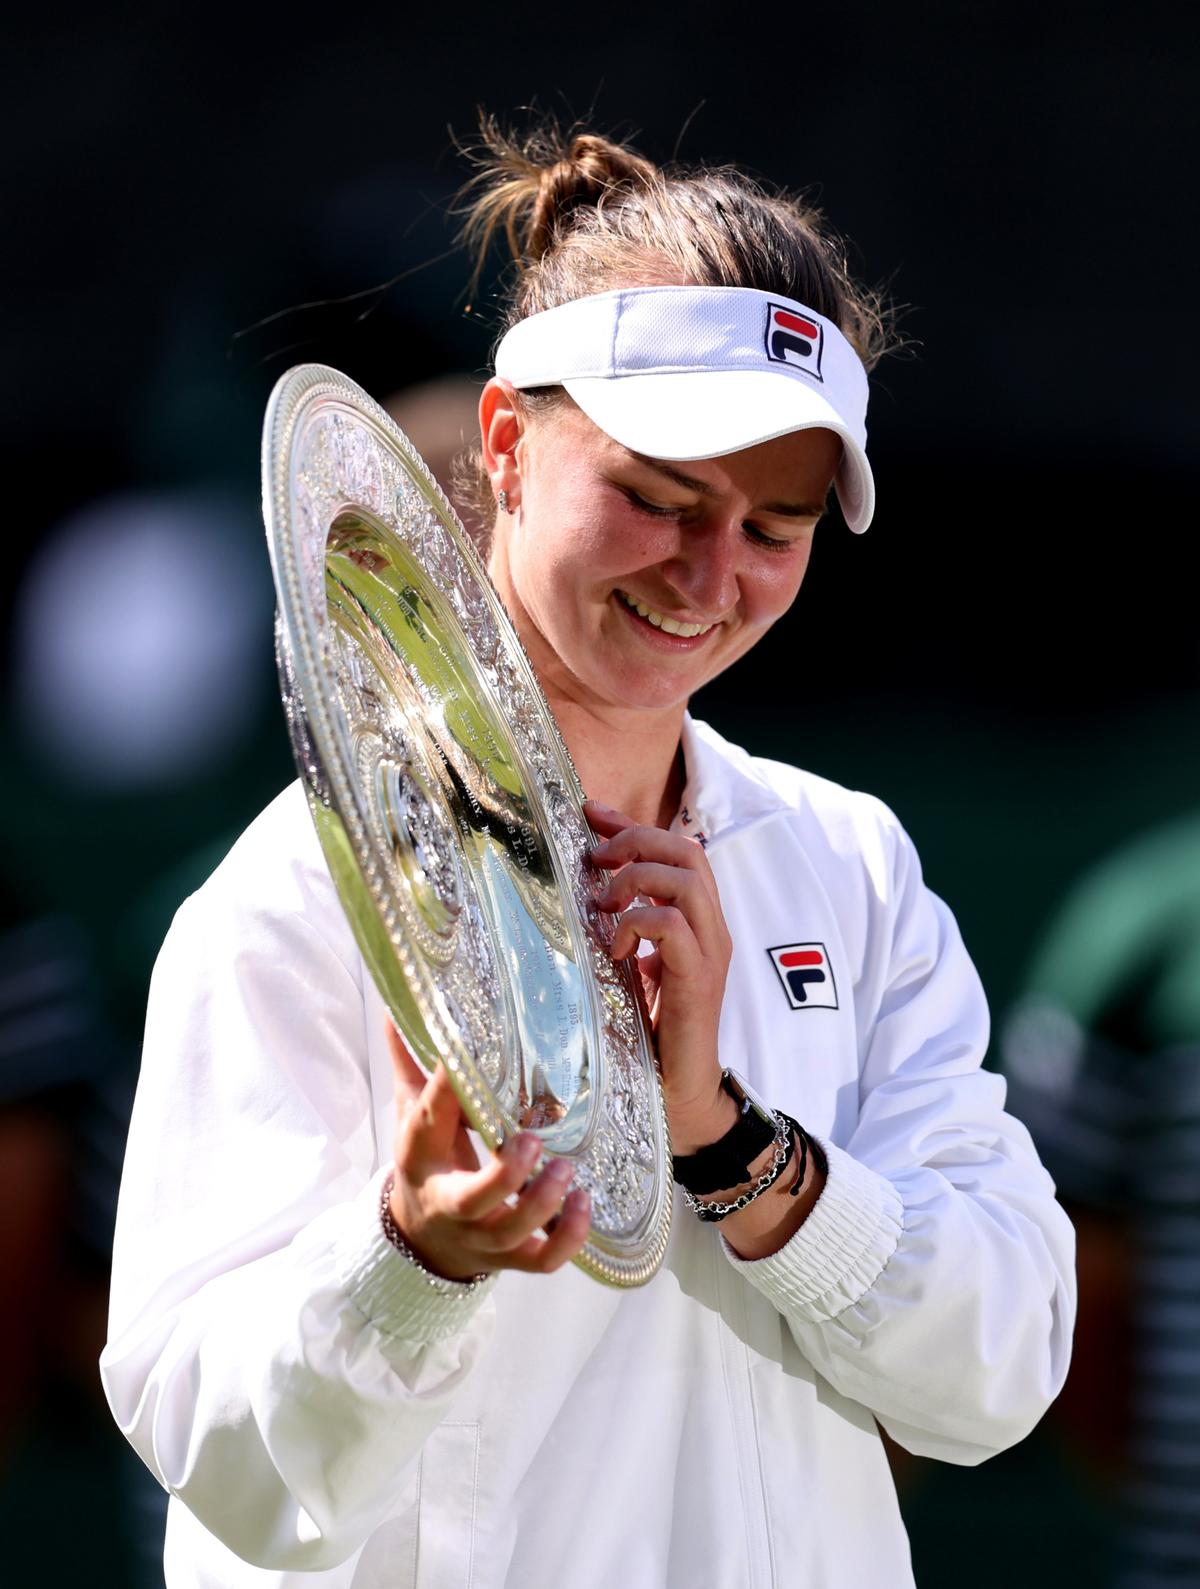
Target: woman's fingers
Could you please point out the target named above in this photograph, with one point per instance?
(545, 1254)
(491, 1220)
(540, 1202)
(502, 1211)
(465, 1218)
(431, 1131)
(604, 819)
(684, 974)
(669, 885)
(667, 928)
(410, 1078)
(637, 843)
(505, 1173)
(694, 911)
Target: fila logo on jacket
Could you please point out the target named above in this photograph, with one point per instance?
(805, 975)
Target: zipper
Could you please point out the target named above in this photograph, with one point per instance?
(735, 1361)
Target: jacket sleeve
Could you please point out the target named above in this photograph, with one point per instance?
(275, 1362)
(933, 1281)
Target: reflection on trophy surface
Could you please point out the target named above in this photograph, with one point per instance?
(450, 812)
(367, 596)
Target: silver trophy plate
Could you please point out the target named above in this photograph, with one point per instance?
(450, 813)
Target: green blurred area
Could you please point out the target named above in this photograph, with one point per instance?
(1006, 814)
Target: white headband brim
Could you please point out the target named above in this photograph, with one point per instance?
(698, 372)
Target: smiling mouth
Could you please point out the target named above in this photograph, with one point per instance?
(686, 631)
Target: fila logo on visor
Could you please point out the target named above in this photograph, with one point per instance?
(795, 339)
(806, 975)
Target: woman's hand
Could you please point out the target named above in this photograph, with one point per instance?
(459, 1218)
(685, 975)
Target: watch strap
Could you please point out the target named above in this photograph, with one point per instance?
(726, 1163)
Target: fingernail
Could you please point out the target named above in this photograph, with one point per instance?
(576, 1202)
(525, 1149)
(560, 1172)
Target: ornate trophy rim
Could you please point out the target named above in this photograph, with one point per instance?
(331, 453)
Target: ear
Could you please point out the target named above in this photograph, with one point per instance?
(501, 428)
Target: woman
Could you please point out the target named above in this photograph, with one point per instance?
(357, 1355)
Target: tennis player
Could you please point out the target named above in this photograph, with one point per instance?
(350, 1344)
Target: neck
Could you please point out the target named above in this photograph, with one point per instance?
(628, 759)
(631, 761)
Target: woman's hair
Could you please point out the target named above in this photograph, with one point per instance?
(582, 214)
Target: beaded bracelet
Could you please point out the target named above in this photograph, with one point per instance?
(442, 1284)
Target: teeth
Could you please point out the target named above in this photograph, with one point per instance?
(686, 630)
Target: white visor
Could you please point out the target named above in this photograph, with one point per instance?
(696, 372)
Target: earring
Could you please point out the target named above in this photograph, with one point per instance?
(502, 499)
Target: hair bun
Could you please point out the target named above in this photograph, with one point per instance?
(590, 168)
(526, 186)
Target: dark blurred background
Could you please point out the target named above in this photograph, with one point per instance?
(1009, 657)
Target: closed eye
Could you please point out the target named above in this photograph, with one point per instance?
(655, 508)
(753, 533)
(773, 543)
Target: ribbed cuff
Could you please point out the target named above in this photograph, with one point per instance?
(839, 1252)
(393, 1292)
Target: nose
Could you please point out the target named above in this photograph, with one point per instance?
(703, 572)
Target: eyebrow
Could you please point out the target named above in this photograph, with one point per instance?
(786, 510)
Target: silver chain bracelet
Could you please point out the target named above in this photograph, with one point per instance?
(785, 1147)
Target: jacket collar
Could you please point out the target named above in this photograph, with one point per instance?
(725, 789)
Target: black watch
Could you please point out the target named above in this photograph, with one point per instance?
(726, 1162)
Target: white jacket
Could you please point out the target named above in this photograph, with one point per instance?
(321, 1417)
